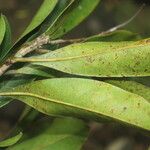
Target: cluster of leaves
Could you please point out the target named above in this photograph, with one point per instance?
(101, 78)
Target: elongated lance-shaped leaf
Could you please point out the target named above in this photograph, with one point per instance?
(100, 59)
(126, 84)
(84, 98)
(43, 12)
(6, 44)
(2, 28)
(62, 134)
(61, 7)
(71, 17)
(11, 141)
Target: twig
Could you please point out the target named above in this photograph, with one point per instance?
(124, 23)
(35, 44)
(29, 47)
(4, 68)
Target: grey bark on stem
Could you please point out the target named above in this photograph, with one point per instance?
(27, 48)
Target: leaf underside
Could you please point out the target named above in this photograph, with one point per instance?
(84, 98)
(100, 59)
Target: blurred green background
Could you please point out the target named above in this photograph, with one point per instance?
(108, 14)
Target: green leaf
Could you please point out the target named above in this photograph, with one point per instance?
(84, 98)
(43, 12)
(60, 8)
(63, 134)
(2, 28)
(116, 36)
(100, 59)
(77, 11)
(11, 141)
(11, 83)
(132, 86)
(6, 44)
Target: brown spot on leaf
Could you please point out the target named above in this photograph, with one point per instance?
(124, 108)
(138, 104)
(145, 70)
(147, 41)
(90, 59)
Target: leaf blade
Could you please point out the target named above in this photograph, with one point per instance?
(6, 44)
(122, 59)
(2, 28)
(91, 99)
(45, 9)
(11, 141)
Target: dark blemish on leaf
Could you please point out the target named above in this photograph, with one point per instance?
(145, 70)
(137, 63)
(116, 56)
(123, 75)
(90, 59)
(101, 61)
(124, 108)
(83, 52)
(140, 42)
(147, 41)
(64, 30)
(138, 104)
(133, 69)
